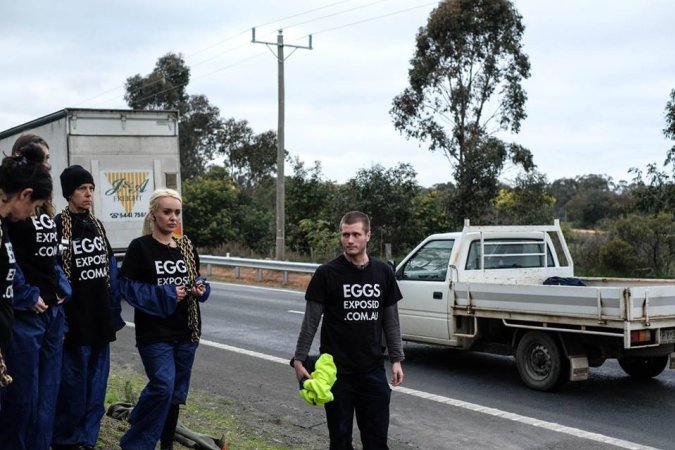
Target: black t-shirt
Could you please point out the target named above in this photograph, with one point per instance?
(89, 310)
(151, 262)
(36, 251)
(353, 302)
(7, 270)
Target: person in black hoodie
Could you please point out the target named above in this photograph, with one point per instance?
(35, 351)
(160, 279)
(25, 184)
(93, 314)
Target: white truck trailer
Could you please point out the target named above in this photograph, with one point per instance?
(129, 154)
(483, 289)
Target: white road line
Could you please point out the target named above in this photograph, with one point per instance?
(233, 349)
(243, 351)
(295, 312)
(552, 426)
(523, 419)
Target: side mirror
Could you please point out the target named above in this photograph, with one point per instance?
(397, 273)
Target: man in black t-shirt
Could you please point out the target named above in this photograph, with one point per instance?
(357, 297)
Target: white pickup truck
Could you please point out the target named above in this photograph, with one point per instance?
(483, 289)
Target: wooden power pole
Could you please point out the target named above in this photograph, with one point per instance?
(280, 203)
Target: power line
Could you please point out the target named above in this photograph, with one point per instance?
(236, 63)
(303, 13)
(197, 64)
(229, 66)
(202, 50)
(370, 19)
(335, 14)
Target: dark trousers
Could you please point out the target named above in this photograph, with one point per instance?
(81, 402)
(367, 396)
(34, 361)
(168, 366)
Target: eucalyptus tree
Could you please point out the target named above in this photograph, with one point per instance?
(465, 86)
(655, 189)
(199, 126)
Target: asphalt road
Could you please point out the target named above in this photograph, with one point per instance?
(450, 399)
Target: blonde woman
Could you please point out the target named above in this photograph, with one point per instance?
(160, 279)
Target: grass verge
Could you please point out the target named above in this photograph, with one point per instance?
(205, 413)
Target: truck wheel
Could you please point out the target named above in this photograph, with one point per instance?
(643, 368)
(540, 362)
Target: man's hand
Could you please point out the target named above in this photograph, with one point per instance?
(300, 371)
(397, 374)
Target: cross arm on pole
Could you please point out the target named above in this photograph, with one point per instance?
(255, 41)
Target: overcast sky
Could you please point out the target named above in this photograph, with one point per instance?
(602, 72)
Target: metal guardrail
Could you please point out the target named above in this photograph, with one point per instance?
(260, 264)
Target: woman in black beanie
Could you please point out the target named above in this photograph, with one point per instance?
(93, 314)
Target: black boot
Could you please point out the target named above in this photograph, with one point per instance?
(166, 441)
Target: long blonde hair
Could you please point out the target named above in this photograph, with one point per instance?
(148, 224)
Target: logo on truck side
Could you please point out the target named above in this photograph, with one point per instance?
(125, 194)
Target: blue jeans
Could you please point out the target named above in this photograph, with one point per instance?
(168, 366)
(34, 361)
(81, 402)
(367, 395)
